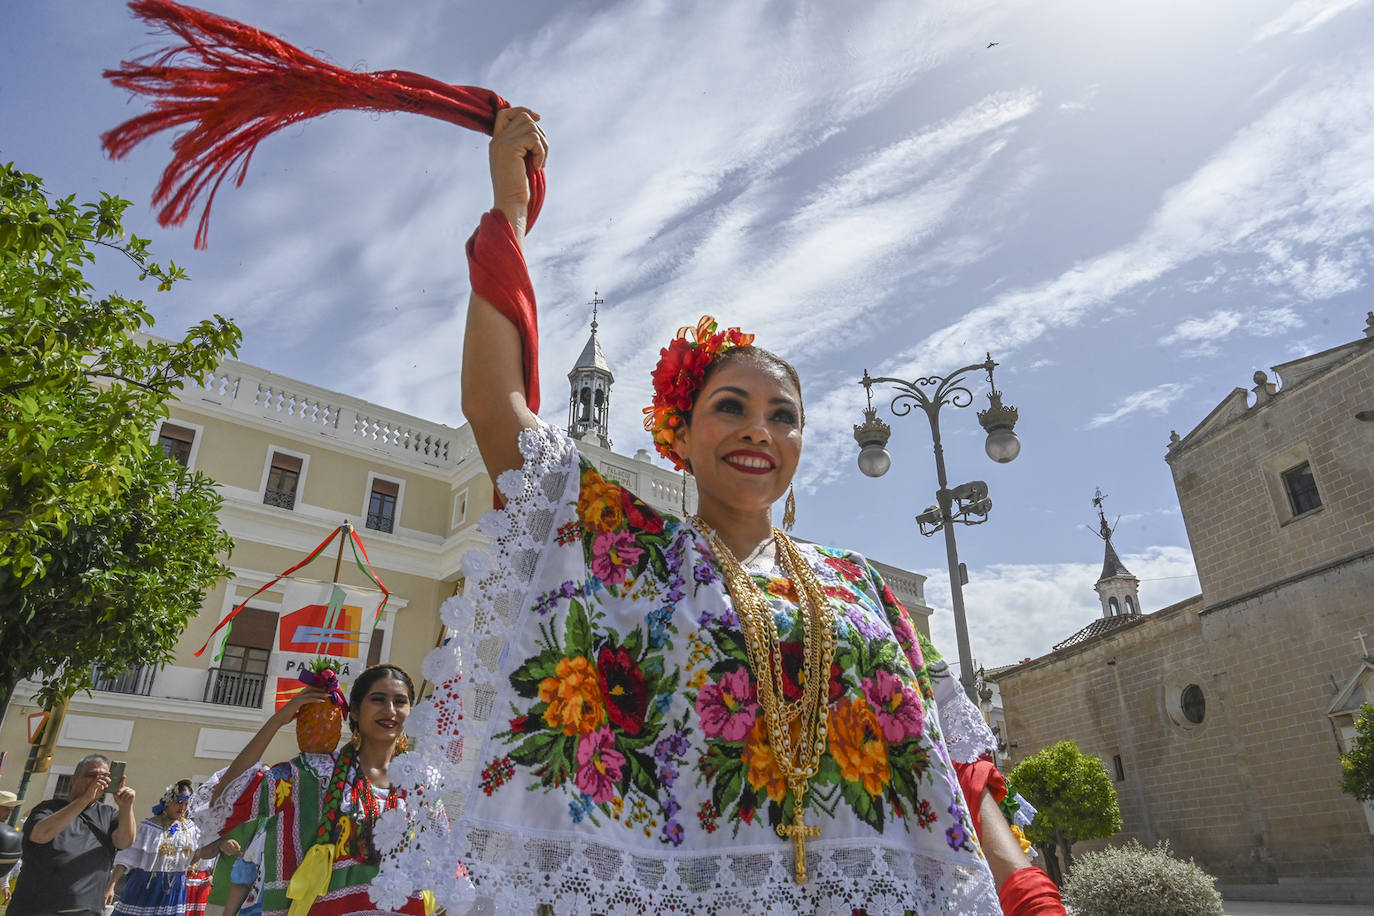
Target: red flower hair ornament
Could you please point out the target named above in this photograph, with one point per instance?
(678, 377)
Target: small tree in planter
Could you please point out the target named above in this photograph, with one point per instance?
(319, 725)
(1131, 880)
(1074, 799)
(1357, 765)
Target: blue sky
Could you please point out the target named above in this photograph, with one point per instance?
(1133, 206)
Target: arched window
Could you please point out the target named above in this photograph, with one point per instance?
(1113, 607)
(1130, 605)
(586, 405)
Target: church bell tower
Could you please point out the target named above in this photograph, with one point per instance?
(589, 402)
(1118, 590)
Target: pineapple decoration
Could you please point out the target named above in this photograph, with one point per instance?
(319, 725)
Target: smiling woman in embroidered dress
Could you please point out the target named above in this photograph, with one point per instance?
(644, 723)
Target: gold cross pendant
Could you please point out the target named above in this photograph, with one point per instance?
(799, 831)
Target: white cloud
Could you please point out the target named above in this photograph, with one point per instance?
(1295, 181)
(1083, 102)
(1016, 611)
(1304, 16)
(1201, 336)
(672, 188)
(1155, 400)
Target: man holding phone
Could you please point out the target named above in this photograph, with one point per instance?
(70, 845)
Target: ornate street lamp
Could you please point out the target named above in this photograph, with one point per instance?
(968, 503)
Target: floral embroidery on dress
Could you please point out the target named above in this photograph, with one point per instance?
(626, 716)
(877, 713)
(596, 702)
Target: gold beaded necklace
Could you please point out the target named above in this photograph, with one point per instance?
(796, 731)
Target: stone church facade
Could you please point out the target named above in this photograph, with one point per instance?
(1222, 718)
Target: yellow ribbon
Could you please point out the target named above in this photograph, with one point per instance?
(345, 831)
(430, 904)
(311, 879)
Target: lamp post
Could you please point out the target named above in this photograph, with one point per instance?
(968, 503)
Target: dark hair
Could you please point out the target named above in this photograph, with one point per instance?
(372, 675)
(190, 789)
(758, 356)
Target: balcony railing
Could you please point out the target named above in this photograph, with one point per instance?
(136, 681)
(282, 499)
(234, 688)
(379, 521)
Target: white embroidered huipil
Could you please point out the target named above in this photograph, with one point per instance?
(621, 763)
(161, 849)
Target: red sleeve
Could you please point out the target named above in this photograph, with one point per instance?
(1030, 892)
(973, 779)
(496, 268)
(247, 807)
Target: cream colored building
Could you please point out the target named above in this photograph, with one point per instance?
(293, 461)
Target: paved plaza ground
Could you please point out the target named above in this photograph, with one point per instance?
(1254, 908)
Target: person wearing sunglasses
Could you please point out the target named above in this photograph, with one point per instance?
(163, 849)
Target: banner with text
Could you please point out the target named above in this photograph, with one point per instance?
(321, 618)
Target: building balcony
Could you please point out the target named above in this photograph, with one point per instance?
(379, 522)
(234, 688)
(137, 681)
(282, 499)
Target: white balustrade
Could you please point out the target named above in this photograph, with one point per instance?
(380, 431)
(219, 385)
(308, 411)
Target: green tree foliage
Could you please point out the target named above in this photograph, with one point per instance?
(1357, 765)
(106, 546)
(1131, 880)
(1074, 797)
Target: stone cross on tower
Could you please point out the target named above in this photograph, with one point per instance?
(589, 401)
(1116, 587)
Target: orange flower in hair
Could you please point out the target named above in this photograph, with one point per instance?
(679, 375)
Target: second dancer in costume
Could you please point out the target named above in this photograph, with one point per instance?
(318, 810)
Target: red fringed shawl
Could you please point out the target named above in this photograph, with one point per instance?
(232, 85)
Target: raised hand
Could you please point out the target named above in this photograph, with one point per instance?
(96, 788)
(516, 136)
(124, 797)
(303, 696)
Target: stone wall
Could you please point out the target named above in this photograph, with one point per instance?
(1252, 791)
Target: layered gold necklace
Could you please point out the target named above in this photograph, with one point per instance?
(796, 730)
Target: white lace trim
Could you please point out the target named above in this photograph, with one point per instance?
(965, 732)
(419, 849)
(519, 873)
(209, 815)
(513, 870)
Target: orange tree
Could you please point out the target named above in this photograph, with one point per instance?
(107, 546)
(1074, 800)
(1357, 764)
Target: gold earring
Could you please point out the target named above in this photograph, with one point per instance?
(789, 510)
(403, 743)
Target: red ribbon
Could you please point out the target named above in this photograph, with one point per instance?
(357, 547)
(231, 85)
(497, 270)
(235, 612)
(328, 679)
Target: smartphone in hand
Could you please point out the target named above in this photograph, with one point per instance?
(117, 774)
